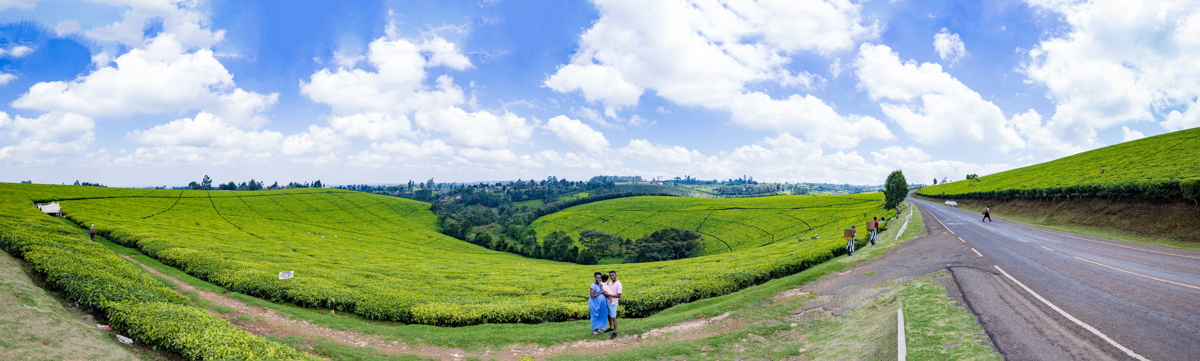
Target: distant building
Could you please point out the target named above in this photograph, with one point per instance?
(52, 209)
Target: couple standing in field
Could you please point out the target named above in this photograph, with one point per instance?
(602, 302)
(849, 233)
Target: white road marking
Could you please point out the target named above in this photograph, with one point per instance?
(1137, 274)
(901, 346)
(943, 224)
(960, 239)
(1073, 319)
(977, 252)
(1064, 234)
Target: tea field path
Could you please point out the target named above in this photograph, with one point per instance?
(1050, 295)
(266, 322)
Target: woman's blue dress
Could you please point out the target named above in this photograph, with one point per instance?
(599, 308)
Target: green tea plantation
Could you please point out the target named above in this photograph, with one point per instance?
(728, 224)
(1158, 167)
(383, 258)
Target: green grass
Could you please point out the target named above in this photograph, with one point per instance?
(728, 224)
(37, 326)
(131, 302)
(936, 328)
(496, 336)
(1166, 157)
(382, 257)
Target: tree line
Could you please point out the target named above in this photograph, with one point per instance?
(206, 184)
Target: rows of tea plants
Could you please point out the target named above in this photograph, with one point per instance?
(133, 303)
(728, 224)
(1158, 167)
(383, 257)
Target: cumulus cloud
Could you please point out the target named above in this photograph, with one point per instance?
(19, 4)
(807, 115)
(932, 106)
(949, 46)
(163, 77)
(5, 78)
(393, 101)
(1146, 51)
(789, 158)
(477, 129)
(703, 53)
(46, 138)
(66, 28)
(208, 139)
(185, 20)
(1130, 134)
(206, 130)
(919, 166)
(18, 51)
(645, 151)
(579, 135)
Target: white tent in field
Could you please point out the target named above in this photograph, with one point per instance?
(52, 209)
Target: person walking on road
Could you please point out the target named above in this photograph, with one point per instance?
(987, 214)
(848, 234)
(598, 304)
(93, 232)
(613, 293)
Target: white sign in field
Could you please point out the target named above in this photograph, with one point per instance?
(286, 274)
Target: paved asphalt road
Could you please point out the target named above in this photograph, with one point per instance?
(1049, 295)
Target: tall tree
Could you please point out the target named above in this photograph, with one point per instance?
(206, 183)
(895, 189)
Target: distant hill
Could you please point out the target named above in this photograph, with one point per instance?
(1160, 167)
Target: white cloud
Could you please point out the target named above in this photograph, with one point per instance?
(919, 167)
(5, 78)
(46, 138)
(371, 125)
(18, 51)
(835, 68)
(1146, 51)
(478, 129)
(577, 134)
(377, 105)
(788, 158)
(1130, 134)
(66, 28)
(932, 106)
(183, 19)
(19, 4)
(702, 53)
(598, 84)
(318, 142)
(645, 151)
(949, 46)
(206, 130)
(807, 115)
(163, 77)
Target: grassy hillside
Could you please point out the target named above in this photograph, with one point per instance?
(132, 302)
(1157, 167)
(382, 258)
(728, 224)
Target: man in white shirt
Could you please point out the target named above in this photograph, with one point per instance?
(614, 289)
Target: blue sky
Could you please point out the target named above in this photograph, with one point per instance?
(162, 92)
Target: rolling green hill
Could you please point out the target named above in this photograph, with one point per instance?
(383, 258)
(1159, 167)
(728, 224)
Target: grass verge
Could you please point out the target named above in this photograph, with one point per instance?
(37, 326)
